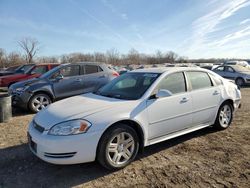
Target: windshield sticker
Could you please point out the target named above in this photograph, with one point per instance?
(150, 75)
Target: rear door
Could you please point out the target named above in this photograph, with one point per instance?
(70, 84)
(205, 96)
(94, 77)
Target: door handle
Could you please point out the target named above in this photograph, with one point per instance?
(216, 92)
(101, 76)
(183, 100)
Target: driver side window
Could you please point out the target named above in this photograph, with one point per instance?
(73, 70)
(175, 83)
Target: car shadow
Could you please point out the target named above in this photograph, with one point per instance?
(20, 112)
(20, 168)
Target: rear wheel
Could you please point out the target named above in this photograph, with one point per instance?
(38, 102)
(118, 147)
(224, 116)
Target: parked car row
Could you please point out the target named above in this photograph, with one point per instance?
(113, 117)
(16, 70)
(25, 72)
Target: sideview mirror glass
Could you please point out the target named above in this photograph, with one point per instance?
(163, 93)
(59, 77)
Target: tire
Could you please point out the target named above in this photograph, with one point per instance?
(239, 82)
(118, 147)
(38, 102)
(224, 116)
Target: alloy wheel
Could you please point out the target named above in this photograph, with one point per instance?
(121, 148)
(225, 116)
(39, 102)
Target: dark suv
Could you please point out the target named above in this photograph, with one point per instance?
(63, 81)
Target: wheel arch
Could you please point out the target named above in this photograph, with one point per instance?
(239, 77)
(133, 124)
(230, 101)
(44, 92)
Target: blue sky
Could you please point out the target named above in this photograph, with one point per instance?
(192, 28)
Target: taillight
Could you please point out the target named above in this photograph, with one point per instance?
(115, 73)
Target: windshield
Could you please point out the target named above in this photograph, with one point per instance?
(129, 86)
(50, 72)
(24, 68)
(14, 68)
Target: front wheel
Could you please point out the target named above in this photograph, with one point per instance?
(224, 116)
(239, 82)
(118, 147)
(38, 102)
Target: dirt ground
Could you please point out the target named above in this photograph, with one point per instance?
(205, 158)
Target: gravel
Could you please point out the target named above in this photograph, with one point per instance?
(205, 158)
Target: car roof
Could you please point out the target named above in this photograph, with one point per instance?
(84, 63)
(167, 69)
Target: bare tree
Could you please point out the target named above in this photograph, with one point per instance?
(113, 56)
(14, 59)
(133, 57)
(30, 47)
(2, 57)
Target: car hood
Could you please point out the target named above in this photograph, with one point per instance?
(6, 72)
(76, 107)
(13, 76)
(28, 82)
(245, 72)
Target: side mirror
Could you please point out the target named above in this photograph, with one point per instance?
(163, 93)
(59, 77)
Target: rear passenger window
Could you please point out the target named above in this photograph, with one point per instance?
(175, 83)
(90, 69)
(199, 80)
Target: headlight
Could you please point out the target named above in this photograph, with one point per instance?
(21, 89)
(71, 127)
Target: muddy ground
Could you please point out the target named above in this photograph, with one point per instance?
(205, 158)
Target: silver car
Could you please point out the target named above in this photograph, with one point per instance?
(63, 81)
(240, 74)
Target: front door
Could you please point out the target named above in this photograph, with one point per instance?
(70, 84)
(170, 114)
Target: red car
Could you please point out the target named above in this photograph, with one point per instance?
(34, 72)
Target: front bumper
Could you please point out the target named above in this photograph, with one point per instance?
(247, 81)
(237, 103)
(63, 149)
(20, 100)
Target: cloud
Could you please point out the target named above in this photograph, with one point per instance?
(233, 36)
(124, 16)
(114, 10)
(103, 24)
(208, 23)
(245, 21)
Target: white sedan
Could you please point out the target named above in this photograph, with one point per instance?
(135, 110)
